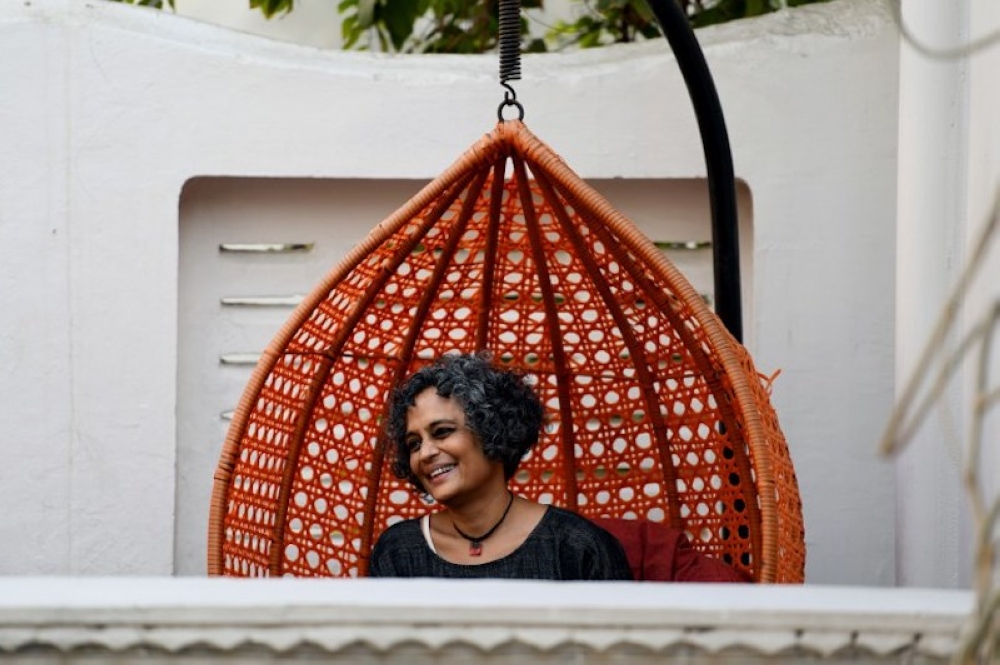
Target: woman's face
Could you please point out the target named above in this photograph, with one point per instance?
(445, 456)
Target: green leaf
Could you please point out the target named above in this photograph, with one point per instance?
(642, 10)
(349, 31)
(366, 13)
(399, 17)
(590, 40)
(536, 45)
(271, 8)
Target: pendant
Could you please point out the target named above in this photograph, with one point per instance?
(475, 548)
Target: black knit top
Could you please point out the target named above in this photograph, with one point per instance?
(563, 546)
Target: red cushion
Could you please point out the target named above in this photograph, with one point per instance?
(660, 553)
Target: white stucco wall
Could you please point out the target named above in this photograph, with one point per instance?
(949, 178)
(933, 136)
(109, 110)
(983, 192)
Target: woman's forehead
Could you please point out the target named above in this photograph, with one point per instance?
(428, 406)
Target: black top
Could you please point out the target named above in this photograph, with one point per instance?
(563, 546)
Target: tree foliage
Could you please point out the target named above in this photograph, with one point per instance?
(464, 26)
(618, 21)
(428, 26)
(471, 26)
(272, 7)
(158, 4)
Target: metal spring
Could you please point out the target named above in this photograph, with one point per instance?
(510, 40)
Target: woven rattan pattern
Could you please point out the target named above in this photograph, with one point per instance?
(655, 412)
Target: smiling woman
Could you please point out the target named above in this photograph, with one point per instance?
(457, 430)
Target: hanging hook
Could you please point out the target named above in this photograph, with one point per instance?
(510, 54)
(510, 99)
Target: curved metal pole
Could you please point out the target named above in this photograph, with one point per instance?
(718, 160)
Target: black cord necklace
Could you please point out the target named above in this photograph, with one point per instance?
(476, 542)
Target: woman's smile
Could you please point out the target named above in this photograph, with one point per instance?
(440, 471)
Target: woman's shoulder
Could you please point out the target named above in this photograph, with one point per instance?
(567, 523)
(566, 517)
(400, 533)
(398, 544)
(588, 551)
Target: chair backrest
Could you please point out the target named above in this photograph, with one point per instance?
(656, 413)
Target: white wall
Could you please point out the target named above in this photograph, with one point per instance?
(110, 110)
(949, 178)
(933, 135)
(982, 194)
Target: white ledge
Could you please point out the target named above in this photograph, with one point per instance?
(225, 616)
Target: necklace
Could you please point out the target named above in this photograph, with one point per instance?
(476, 542)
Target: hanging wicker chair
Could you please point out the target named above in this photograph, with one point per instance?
(655, 412)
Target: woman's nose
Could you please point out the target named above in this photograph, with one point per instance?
(428, 449)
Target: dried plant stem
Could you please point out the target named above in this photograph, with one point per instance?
(972, 647)
(925, 386)
(901, 421)
(940, 381)
(940, 53)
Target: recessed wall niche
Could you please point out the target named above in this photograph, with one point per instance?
(250, 248)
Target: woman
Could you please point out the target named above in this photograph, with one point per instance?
(458, 430)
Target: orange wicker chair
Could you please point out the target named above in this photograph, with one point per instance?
(657, 413)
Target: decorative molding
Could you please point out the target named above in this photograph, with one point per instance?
(538, 621)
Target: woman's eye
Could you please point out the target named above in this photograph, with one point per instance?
(413, 445)
(443, 432)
